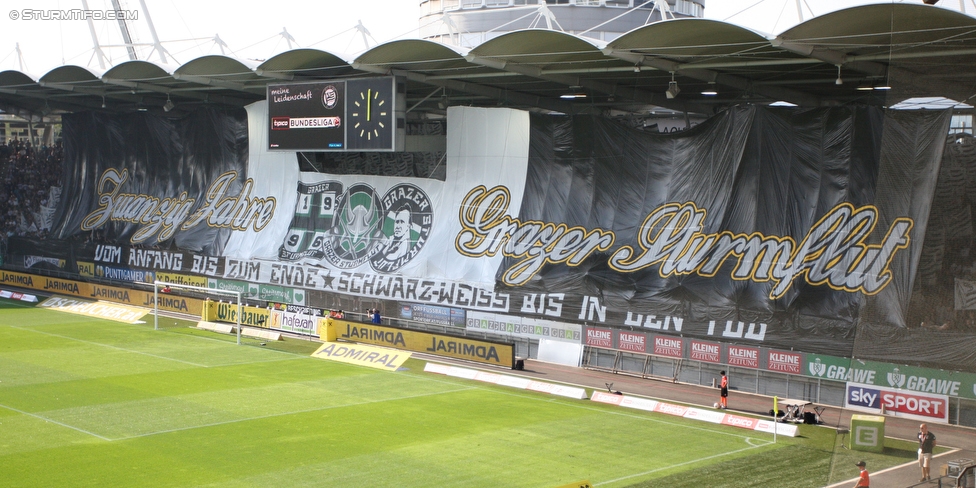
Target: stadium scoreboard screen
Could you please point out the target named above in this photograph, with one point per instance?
(364, 114)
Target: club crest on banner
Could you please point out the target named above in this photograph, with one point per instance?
(356, 227)
(896, 379)
(350, 227)
(817, 368)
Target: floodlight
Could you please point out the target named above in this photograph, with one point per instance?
(673, 89)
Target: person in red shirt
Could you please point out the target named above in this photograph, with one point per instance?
(863, 481)
(724, 398)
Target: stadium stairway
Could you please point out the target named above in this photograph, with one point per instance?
(961, 439)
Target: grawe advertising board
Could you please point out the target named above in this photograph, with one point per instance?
(900, 403)
(899, 377)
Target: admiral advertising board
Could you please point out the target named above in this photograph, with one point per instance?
(339, 115)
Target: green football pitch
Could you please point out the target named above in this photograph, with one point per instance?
(87, 402)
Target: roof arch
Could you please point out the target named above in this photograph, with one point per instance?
(691, 38)
(14, 78)
(546, 49)
(140, 70)
(304, 63)
(70, 74)
(417, 54)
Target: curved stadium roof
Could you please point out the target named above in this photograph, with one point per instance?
(917, 50)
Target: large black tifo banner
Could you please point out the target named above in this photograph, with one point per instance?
(143, 179)
(831, 230)
(787, 226)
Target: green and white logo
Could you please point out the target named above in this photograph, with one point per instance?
(356, 228)
(896, 379)
(817, 367)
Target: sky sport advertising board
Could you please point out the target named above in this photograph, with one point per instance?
(900, 403)
(338, 115)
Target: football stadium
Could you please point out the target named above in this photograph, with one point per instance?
(566, 243)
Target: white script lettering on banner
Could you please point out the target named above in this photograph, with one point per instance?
(161, 217)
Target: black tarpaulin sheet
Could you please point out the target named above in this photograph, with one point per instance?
(769, 173)
(145, 175)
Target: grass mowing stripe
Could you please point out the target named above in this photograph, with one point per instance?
(693, 461)
(283, 414)
(189, 363)
(110, 346)
(277, 423)
(505, 391)
(39, 417)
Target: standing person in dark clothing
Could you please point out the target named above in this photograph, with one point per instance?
(724, 385)
(926, 443)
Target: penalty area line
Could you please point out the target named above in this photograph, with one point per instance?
(282, 414)
(574, 403)
(41, 417)
(113, 347)
(706, 458)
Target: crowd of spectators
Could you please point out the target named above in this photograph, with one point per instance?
(30, 183)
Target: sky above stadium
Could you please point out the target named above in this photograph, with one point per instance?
(252, 29)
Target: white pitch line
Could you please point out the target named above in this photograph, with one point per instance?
(909, 463)
(40, 417)
(248, 419)
(670, 466)
(111, 347)
(573, 404)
